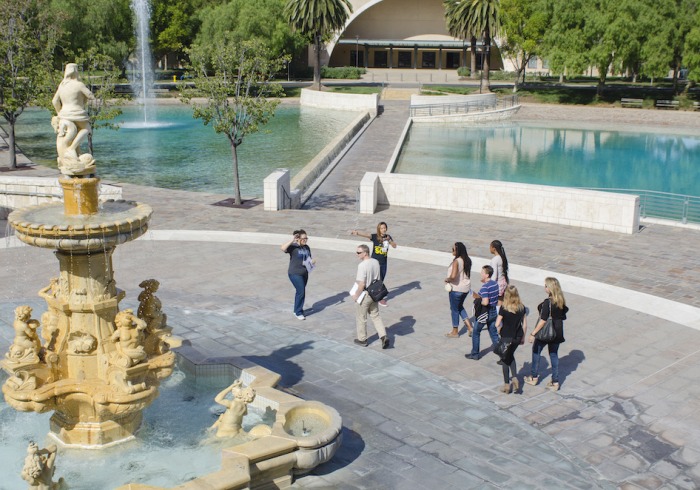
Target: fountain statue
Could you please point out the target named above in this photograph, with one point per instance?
(95, 366)
(39, 468)
(230, 422)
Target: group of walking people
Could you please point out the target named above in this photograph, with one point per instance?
(498, 307)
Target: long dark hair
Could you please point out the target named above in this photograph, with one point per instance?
(498, 247)
(461, 251)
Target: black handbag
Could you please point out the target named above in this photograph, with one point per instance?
(502, 347)
(547, 334)
(376, 290)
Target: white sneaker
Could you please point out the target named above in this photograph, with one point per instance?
(300, 317)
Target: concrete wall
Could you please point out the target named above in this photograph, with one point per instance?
(343, 102)
(19, 192)
(280, 193)
(420, 100)
(565, 206)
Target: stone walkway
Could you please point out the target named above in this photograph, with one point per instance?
(419, 414)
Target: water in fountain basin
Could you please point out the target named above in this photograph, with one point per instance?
(167, 451)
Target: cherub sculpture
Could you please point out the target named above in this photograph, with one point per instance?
(39, 468)
(229, 423)
(129, 333)
(26, 345)
(150, 307)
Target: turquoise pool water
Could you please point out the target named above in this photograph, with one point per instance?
(185, 154)
(532, 154)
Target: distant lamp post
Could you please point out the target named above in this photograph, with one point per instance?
(357, 50)
(286, 64)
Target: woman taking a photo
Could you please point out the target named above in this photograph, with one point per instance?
(380, 248)
(300, 264)
(459, 286)
(554, 306)
(512, 327)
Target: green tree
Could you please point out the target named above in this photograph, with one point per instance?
(174, 26)
(564, 44)
(236, 80)
(456, 27)
(105, 25)
(524, 25)
(692, 51)
(27, 37)
(480, 17)
(318, 20)
(100, 74)
(244, 19)
(656, 51)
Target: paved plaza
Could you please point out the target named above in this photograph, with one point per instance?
(419, 415)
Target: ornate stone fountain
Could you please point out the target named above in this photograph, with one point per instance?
(95, 366)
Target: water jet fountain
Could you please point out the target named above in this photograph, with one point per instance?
(142, 78)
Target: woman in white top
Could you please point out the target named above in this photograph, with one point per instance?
(458, 274)
(499, 263)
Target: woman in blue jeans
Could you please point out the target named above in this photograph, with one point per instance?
(458, 274)
(300, 263)
(554, 305)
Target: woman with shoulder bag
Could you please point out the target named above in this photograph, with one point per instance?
(512, 327)
(555, 307)
(458, 286)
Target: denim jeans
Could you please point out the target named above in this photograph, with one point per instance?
(299, 282)
(537, 348)
(457, 307)
(476, 335)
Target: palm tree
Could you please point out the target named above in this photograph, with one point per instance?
(479, 17)
(317, 19)
(457, 29)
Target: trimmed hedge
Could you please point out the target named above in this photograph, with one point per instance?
(342, 72)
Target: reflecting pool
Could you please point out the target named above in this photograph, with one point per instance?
(182, 153)
(533, 154)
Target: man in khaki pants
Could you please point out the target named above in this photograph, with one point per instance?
(367, 271)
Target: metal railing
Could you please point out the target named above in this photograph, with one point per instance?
(663, 205)
(467, 107)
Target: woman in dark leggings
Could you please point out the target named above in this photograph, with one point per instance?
(512, 327)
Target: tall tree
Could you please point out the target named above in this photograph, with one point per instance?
(480, 17)
(692, 51)
(236, 81)
(318, 20)
(564, 44)
(244, 19)
(524, 25)
(27, 38)
(458, 29)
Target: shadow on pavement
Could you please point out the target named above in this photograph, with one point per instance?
(278, 361)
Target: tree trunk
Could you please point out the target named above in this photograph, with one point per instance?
(472, 68)
(317, 69)
(485, 82)
(236, 178)
(11, 143)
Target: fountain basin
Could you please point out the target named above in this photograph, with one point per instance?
(45, 225)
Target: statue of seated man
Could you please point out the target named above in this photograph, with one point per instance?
(129, 333)
(72, 123)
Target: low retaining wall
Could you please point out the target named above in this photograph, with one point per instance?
(279, 192)
(565, 206)
(20, 192)
(334, 100)
(418, 100)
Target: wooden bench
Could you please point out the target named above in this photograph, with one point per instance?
(667, 104)
(634, 103)
(696, 106)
